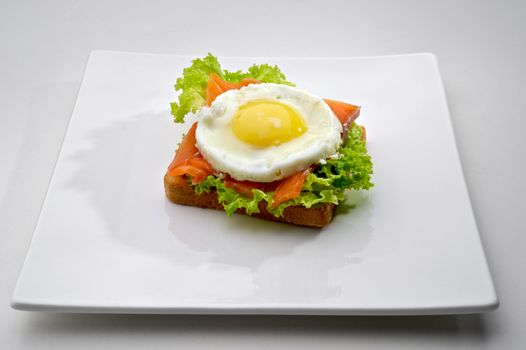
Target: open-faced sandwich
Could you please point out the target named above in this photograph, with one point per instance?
(260, 146)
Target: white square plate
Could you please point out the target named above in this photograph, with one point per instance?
(107, 240)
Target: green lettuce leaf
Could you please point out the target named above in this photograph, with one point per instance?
(193, 86)
(193, 82)
(327, 184)
(263, 72)
(353, 167)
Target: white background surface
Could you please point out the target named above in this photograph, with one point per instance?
(481, 51)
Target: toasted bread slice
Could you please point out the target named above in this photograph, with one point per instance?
(316, 216)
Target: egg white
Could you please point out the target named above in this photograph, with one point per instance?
(226, 153)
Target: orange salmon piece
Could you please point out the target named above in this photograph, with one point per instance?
(243, 187)
(289, 188)
(201, 163)
(188, 161)
(196, 173)
(186, 150)
(216, 86)
(346, 112)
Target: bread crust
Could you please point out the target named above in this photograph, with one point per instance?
(317, 216)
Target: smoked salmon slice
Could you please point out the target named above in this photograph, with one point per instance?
(188, 160)
(196, 173)
(247, 81)
(201, 163)
(246, 187)
(346, 112)
(216, 86)
(197, 167)
(243, 187)
(186, 149)
(289, 188)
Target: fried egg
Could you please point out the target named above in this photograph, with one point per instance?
(266, 132)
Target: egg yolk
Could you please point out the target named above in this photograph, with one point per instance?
(267, 123)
